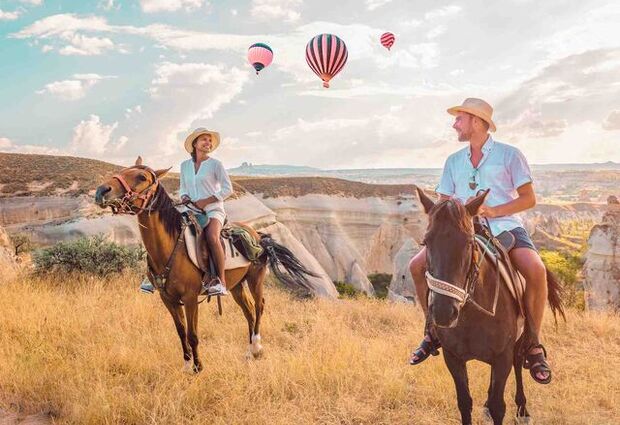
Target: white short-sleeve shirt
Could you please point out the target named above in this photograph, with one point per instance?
(210, 180)
(502, 169)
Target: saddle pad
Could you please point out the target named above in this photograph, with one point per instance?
(234, 259)
(517, 289)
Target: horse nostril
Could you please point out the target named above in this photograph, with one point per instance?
(101, 191)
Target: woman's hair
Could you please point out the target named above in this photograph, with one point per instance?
(194, 149)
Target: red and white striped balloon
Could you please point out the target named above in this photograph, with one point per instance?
(326, 55)
(387, 40)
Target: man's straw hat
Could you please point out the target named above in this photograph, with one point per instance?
(215, 138)
(477, 107)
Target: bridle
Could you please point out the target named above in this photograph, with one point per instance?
(465, 294)
(125, 205)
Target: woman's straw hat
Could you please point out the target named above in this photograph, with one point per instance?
(477, 107)
(215, 138)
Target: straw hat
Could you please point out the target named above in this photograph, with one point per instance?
(215, 139)
(477, 107)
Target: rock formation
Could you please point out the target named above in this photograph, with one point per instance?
(602, 265)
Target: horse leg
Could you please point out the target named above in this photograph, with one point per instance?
(240, 296)
(500, 369)
(176, 311)
(191, 311)
(458, 370)
(256, 281)
(522, 417)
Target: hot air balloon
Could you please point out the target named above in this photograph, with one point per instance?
(326, 54)
(387, 40)
(260, 56)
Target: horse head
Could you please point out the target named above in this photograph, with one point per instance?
(131, 191)
(450, 255)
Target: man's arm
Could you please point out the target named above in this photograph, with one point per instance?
(525, 201)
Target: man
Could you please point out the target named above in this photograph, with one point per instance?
(488, 164)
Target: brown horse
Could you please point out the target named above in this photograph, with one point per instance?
(137, 190)
(471, 311)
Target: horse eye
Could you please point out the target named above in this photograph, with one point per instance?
(142, 177)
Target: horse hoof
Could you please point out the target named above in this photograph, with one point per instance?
(524, 420)
(188, 367)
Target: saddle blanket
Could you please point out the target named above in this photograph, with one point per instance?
(234, 259)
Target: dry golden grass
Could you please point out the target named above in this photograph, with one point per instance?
(92, 352)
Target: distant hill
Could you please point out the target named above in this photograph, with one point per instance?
(274, 170)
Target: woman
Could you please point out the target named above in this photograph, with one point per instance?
(206, 184)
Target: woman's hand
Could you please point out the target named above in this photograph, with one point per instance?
(488, 212)
(185, 199)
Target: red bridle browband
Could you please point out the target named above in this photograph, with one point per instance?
(125, 204)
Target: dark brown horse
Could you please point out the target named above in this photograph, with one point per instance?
(137, 190)
(471, 319)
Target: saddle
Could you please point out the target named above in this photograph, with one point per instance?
(496, 249)
(234, 238)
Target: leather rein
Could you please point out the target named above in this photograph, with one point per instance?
(465, 294)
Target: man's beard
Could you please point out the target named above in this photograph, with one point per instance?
(464, 137)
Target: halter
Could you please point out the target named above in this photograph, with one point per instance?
(125, 204)
(466, 295)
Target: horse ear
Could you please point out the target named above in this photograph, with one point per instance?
(474, 205)
(138, 161)
(162, 172)
(427, 202)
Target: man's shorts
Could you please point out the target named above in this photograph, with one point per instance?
(521, 239)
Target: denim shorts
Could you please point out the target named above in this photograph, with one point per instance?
(522, 238)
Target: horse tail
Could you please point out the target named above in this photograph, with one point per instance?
(278, 257)
(555, 292)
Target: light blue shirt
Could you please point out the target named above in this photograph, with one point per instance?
(502, 169)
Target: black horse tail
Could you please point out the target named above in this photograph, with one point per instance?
(295, 274)
(554, 296)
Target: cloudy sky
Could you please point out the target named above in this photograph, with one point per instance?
(110, 79)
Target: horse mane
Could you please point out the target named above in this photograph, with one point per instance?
(170, 216)
(450, 211)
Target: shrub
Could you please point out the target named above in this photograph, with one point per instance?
(567, 267)
(381, 283)
(92, 255)
(347, 290)
(21, 242)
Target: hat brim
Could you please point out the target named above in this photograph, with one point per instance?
(215, 139)
(456, 109)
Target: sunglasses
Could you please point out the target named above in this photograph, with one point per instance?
(472, 179)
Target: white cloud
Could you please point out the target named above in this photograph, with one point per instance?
(75, 88)
(7, 145)
(188, 94)
(267, 10)
(612, 122)
(375, 4)
(150, 6)
(9, 16)
(442, 12)
(32, 2)
(82, 45)
(108, 5)
(423, 55)
(92, 137)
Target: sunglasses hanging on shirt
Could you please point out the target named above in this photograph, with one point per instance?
(472, 179)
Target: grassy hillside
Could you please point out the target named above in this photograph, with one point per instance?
(94, 351)
(41, 175)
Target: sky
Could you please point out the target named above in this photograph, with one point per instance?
(110, 79)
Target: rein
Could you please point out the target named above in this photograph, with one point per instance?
(464, 296)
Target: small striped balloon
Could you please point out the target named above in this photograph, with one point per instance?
(259, 55)
(326, 55)
(387, 40)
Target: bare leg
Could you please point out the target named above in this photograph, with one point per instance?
(213, 230)
(530, 265)
(417, 267)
